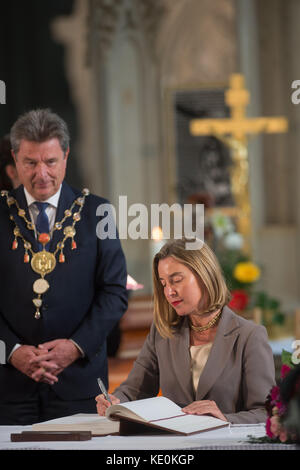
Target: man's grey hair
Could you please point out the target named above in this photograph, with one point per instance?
(39, 126)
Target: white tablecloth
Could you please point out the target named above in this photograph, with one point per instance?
(231, 437)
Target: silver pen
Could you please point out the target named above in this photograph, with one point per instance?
(103, 390)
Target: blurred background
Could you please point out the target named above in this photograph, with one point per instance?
(129, 77)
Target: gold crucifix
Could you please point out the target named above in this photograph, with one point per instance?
(233, 131)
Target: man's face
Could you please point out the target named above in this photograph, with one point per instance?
(41, 167)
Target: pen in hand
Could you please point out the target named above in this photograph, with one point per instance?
(103, 390)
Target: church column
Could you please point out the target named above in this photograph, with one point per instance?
(110, 62)
(291, 32)
(263, 61)
(129, 108)
(247, 32)
(279, 237)
(72, 31)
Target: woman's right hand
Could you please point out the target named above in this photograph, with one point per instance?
(103, 404)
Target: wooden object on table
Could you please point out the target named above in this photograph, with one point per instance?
(42, 436)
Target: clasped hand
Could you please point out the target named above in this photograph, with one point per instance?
(45, 362)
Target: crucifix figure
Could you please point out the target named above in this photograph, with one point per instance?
(234, 131)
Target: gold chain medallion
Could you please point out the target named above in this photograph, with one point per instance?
(44, 262)
(40, 286)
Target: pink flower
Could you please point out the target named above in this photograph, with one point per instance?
(281, 408)
(276, 410)
(283, 436)
(275, 395)
(285, 369)
(268, 428)
(275, 426)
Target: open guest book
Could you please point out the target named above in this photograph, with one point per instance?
(159, 414)
(151, 416)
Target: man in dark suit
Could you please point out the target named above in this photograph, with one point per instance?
(62, 288)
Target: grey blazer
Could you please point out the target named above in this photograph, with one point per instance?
(238, 375)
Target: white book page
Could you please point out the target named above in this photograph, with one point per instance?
(191, 423)
(77, 418)
(80, 422)
(148, 409)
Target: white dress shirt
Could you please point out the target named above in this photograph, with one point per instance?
(50, 210)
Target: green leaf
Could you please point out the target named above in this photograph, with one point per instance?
(262, 300)
(278, 318)
(286, 358)
(273, 304)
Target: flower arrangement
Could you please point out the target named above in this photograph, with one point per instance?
(276, 408)
(240, 272)
(283, 406)
(246, 272)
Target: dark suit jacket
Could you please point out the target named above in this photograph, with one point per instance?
(87, 296)
(238, 375)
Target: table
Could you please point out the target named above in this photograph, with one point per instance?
(233, 437)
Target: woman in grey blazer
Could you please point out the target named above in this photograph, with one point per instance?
(199, 353)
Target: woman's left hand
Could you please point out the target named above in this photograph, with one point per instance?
(204, 407)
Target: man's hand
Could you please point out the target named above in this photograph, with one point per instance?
(24, 358)
(61, 352)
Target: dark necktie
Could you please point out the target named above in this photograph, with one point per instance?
(42, 221)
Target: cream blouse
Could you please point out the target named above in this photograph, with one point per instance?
(199, 355)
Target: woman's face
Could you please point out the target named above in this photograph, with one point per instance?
(181, 286)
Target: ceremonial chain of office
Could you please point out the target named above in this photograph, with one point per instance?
(43, 262)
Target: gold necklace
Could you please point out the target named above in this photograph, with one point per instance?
(209, 324)
(44, 262)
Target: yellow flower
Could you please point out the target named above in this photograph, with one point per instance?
(246, 272)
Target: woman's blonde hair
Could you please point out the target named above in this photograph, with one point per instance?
(204, 264)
